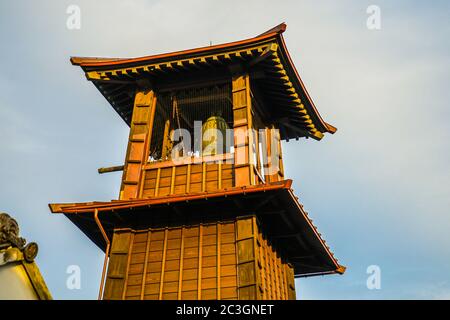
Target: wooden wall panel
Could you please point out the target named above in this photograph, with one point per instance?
(183, 179)
(221, 260)
(277, 276)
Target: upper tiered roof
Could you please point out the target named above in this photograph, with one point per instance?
(265, 57)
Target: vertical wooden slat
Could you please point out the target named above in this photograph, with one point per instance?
(269, 270)
(188, 178)
(163, 264)
(172, 180)
(255, 257)
(200, 258)
(141, 183)
(277, 277)
(286, 289)
(273, 273)
(158, 177)
(203, 176)
(180, 276)
(286, 266)
(263, 271)
(147, 249)
(219, 175)
(280, 279)
(218, 226)
(237, 257)
(285, 295)
(266, 266)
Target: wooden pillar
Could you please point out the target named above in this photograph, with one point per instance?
(117, 268)
(167, 146)
(257, 152)
(242, 125)
(200, 262)
(280, 158)
(290, 280)
(138, 143)
(248, 272)
(273, 162)
(267, 155)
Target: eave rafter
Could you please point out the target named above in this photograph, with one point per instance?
(291, 95)
(152, 69)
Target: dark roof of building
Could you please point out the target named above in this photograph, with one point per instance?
(265, 57)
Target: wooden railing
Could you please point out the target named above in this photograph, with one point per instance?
(188, 175)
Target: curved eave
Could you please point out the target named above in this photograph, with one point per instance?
(326, 127)
(96, 62)
(291, 230)
(301, 116)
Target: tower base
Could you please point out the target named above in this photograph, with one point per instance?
(217, 260)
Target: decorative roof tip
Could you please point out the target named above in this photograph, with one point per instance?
(277, 29)
(341, 269)
(331, 129)
(76, 61)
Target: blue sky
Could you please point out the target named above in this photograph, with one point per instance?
(378, 190)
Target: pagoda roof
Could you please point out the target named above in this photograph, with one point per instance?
(278, 210)
(265, 57)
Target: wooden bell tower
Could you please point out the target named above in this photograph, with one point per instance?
(205, 210)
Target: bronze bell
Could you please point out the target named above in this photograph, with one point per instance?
(213, 136)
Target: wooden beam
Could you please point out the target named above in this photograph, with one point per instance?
(110, 169)
(271, 48)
